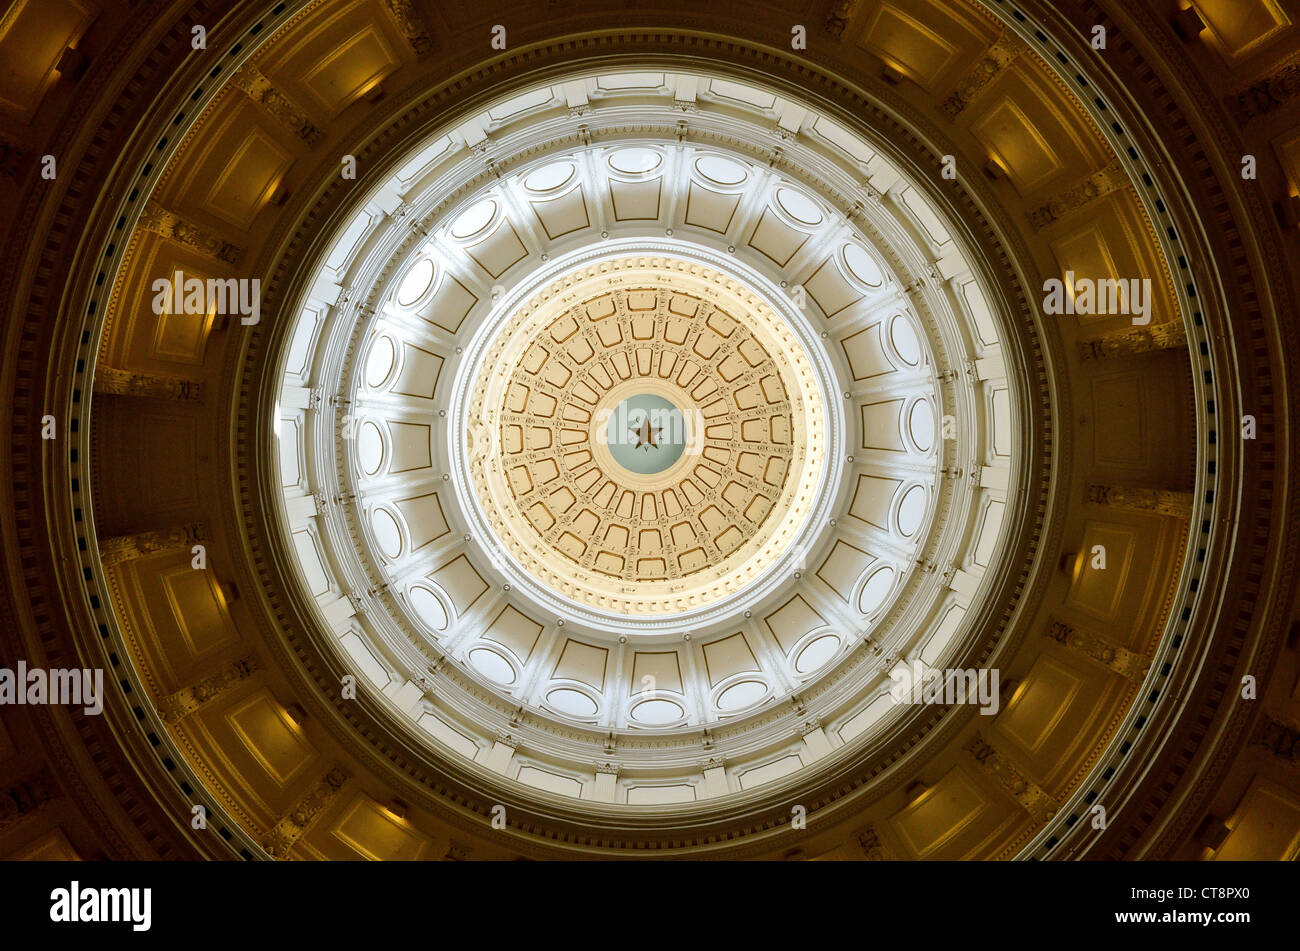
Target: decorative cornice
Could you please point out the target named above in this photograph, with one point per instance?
(1137, 341)
(158, 220)
(987, 68)
(411, 24)
(1121, 660)
(1022, 789)
(114, 382)
(187, 700)
(279, 841)
(1097, 185)
(257, 87)
(122, 548)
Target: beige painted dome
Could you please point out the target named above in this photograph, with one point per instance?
(594, 521)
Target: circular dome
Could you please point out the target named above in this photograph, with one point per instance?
(681, 460)
(647, 433)
(329, 476)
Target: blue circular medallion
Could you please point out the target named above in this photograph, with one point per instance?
(646, 434)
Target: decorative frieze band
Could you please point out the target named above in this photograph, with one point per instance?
(838, 19)
(290, 829)
(1138, 340)
(1128, 664)
(26, 797)
(1157, 501)
(113, 551)
(995, 59)
(457, 851)
(1097, 185)
(114, 382)
(1024, 790)
(263, 92)
(411, 25)
(158, 220)
(11, 159)
(187, 700)
(1269, 93)
(1281, 740)
(872, 847)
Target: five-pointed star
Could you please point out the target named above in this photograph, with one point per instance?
(647, 436)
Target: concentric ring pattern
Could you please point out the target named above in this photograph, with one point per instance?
(310, 548)
(500, 325)
(746, 402)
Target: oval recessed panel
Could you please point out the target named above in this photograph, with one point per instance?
(862, 266)
(905, 342)
(573, 702)
(635, 161)
(720, 170)
(415, 283)
(876, 589)
(474, 219)
(817, 652)
(911, 510)
(370, 448)
(387, 534)
(549, 177)
(920, 424)
(798, 206)
(656, 712)
(742, 695)
(492, 666)
(380, 362)
(428, 608)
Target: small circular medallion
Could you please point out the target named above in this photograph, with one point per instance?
(645, 434)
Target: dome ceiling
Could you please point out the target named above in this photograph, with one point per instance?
(651, 443)
(628, 408)
(513, 355)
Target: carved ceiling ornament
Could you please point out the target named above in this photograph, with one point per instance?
(664, 542)
(455, 402)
